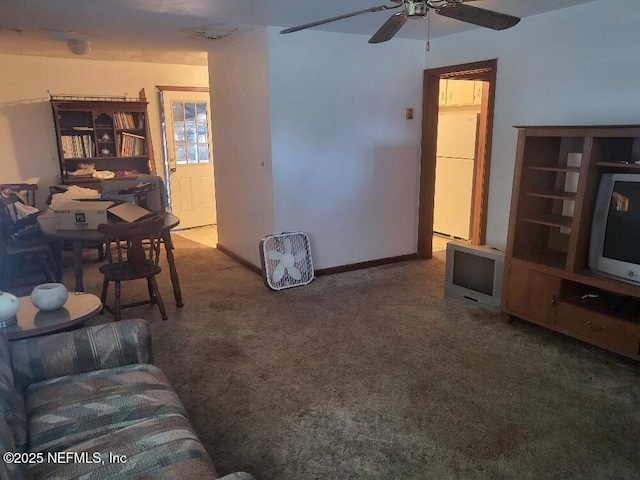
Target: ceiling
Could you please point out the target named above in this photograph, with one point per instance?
(180, 31)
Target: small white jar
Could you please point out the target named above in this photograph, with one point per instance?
(49, 296)
(9, 306)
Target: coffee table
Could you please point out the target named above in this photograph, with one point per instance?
(79, 308)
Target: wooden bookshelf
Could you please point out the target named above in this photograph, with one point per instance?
(109, 133)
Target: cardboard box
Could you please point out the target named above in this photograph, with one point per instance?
(143, 190)
(81, 215)
(118, 197)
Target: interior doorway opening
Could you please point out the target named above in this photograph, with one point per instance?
(479, 85)
(456, 151)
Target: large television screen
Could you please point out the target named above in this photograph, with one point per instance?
(614, 249)
(622, 233)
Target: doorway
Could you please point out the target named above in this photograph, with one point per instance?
(188, 154)
(480, 75)
(456, 150)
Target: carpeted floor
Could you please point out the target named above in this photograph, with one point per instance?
(374, 375)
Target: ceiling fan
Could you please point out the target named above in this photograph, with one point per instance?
(455, 9)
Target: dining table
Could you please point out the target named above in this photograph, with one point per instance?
(81, 238)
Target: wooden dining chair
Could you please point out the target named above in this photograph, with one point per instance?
(26, 191)
(24, 251)
(133, 253)
(19, 263)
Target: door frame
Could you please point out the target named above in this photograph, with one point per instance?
(484, 70)
(163, 129)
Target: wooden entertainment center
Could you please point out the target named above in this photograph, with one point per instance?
(547, 280)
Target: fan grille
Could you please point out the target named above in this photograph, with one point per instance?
(286, 260)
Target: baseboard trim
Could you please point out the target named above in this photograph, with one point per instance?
(325, 271)
(368, 264)
(239, 259)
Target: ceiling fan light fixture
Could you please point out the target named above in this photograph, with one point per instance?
(78, 46)
(415, 9)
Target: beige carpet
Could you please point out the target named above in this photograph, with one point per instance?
(374, 375)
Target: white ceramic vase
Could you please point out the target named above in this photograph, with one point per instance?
(49, 296)
(9, 306)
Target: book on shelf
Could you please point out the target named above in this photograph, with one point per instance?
(77, 146)
(133, 135)
(131, 145)
(125, 120)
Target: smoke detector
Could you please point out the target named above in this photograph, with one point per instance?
(78, 46)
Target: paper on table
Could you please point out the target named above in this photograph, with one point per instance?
(129, 212)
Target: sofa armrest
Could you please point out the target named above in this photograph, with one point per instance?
(77, 351)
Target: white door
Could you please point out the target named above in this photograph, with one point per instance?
(190, 157)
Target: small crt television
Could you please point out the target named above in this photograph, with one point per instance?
(614, 249)
(474, 273)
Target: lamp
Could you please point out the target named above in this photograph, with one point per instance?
(78, 46)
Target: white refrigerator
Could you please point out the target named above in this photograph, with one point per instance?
(455, 160)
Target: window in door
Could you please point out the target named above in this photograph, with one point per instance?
(191, 132)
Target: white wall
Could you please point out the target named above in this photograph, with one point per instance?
(345, 159)
(326, 113)
(239, 79)
(573, 66)
(27, 137)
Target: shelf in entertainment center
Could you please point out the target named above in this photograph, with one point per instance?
(555, 168)
(554, 194)
(546, 261)
(621, 165)
(553, 262)
(599, 304)
(550, 220)
(587, 277)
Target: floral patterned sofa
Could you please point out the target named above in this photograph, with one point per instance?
(89, 404)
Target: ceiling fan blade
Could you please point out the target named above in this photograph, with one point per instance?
(389, 28)
(478, 16)
(339, 17)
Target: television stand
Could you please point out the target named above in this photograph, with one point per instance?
(546, 278)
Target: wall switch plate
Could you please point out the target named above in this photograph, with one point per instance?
(409, 114)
